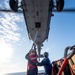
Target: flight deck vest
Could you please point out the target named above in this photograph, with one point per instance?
(33, 58)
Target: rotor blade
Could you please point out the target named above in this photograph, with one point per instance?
(66, 10)
(8, 10)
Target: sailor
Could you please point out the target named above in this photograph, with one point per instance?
(32, 61)
(46, 63)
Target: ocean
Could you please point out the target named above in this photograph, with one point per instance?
(22, 73)
(17, 73)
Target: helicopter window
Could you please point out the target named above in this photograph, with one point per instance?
(37, 24)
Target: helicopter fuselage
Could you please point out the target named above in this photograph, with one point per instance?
(37, 14)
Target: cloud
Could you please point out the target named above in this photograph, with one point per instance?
(6, 3)
(9, 30)
(6, 52)
(11, 68)
(10, 24)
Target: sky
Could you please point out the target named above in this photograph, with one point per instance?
(15, 44)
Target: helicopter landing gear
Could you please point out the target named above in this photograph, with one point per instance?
(13, 5)
(59, 5)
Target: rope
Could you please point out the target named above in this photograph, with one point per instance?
(33, 45)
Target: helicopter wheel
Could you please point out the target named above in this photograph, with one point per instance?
(13, 5)
(59, 5)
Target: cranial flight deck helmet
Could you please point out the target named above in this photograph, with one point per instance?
(46, 54)
(33, 51)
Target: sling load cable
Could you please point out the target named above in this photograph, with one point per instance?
(33, 45)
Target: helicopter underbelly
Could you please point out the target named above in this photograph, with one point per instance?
(37, 17)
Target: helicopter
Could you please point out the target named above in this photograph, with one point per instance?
(37, 15)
